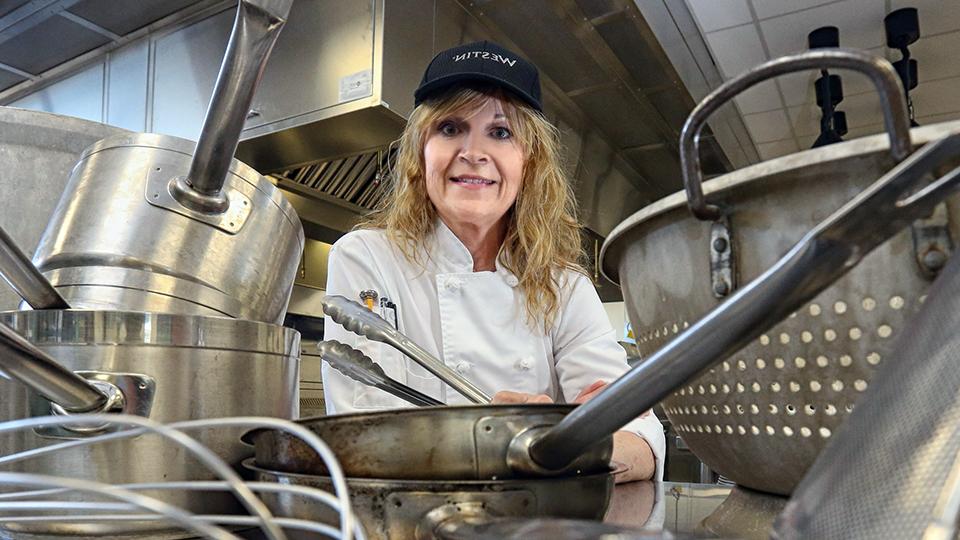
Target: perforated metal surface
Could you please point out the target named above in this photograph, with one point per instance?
(887, 473)
(761, 417)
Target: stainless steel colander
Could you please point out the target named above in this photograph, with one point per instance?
(761, 417)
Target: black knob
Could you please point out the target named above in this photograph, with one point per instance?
(903, 27)
(840, 122)
(825, 36)
(835, 90)
(907, 69)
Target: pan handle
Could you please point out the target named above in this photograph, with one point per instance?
(255, 30)
(821, 257)
(879, 70)
(24, 278)
(25, 362)
(360, 367)
(358, 319)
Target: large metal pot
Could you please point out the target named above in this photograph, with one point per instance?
(37, 152)
(155, 223)
(389, 508)
(761, 417)
(168, 368)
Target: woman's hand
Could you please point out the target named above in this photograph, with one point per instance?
(506, 396)
(629, 449)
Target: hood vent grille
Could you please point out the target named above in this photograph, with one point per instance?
(360, 179)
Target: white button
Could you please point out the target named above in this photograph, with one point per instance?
(453, 284)
(512, 281)
(525, 363)
(463, 367)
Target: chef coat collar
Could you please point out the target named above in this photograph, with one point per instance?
(454, 257)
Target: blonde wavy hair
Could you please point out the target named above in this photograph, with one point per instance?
(543, 233)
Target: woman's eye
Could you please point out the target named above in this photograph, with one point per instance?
(501, 133)
(448, 128)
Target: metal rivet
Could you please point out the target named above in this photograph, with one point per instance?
(720, 245)
(896, 302)
(860, 385)
(806, 337)
(815, 309)
(846, 360)
(815, 386)
(764, 339)
(822, 361)
(800, 362)
(755, 430)
(805, 431)
(787, 431)
(873, 358)
(869, 304)
(884, 331)
(773, 409)
(721, 288)
(855, 333)
(830, 410)
(770, 430)
(840, 307)
(934, 259)
(824, 432)
(829, 334)
(761, 363)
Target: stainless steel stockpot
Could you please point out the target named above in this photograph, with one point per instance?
(118, 240)
(169, 368)
(155, 223)
(762, 416)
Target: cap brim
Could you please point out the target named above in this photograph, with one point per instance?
(443, 83)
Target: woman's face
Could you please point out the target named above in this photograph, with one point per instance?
(474, 166)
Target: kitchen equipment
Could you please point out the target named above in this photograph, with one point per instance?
(505, 441)
(761, 417)
(24, 278)
(891, 471)
(155, 223)
(363, 321)
(360, 367)
(39, 150)
(98, 505)
(167, 368)
(390, 508)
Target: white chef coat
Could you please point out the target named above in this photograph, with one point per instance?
(473, 321)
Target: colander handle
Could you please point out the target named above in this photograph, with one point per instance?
(880, 71)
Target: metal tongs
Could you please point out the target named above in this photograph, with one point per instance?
(822, 256)
(361, 368)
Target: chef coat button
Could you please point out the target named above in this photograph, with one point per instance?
(525, 363)
(463, 367)
(453, 284)
(512, 281)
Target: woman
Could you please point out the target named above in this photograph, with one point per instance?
(475, 256)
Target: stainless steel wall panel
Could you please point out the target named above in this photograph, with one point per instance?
(79, 95)
(186, 65)
(127, 87)
(324, 42)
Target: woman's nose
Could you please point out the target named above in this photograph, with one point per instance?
(473, 151)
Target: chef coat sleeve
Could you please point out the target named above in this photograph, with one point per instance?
(586, 350)
(351, 268)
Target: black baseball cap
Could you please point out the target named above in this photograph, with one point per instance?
(483, 62)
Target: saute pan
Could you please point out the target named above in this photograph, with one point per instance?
(493, 441)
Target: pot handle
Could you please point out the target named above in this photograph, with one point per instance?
(24, 278)
(361, 368)
(360, 320)
(25, 362)
(255, 30)
(879, 70)
(821, 257)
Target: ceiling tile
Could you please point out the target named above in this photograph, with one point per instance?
(776, 149)
(936, 16)
(805, 120)
(768, 126)
(760, 98)
(937, 118)
(860, 23)
(736, 49)
(936, 56)
(71, 41)
(716, 14)
(771, 8)
(937, 97)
